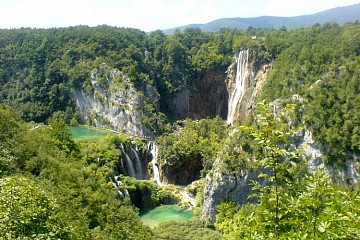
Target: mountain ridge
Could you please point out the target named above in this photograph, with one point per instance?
(339, 15)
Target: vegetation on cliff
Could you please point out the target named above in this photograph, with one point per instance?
(192, 147)
(321, 64)
(41, 68)
(68, 184)
(292, 201)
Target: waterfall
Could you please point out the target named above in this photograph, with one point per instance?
(130, 167)
(138, 168)
(117, 183)
(154, 152)
(187, 198)
(126, 193)
(239, 90)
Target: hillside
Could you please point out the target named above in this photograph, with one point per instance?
(339, 15)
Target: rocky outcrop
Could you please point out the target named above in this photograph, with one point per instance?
(245, 79)
(223, 185)
(206, 97)
(311, 151)
(112, 101)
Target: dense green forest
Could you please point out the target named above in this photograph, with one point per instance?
(41, 68)
(53, 187)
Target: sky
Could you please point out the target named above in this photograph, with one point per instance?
(148, 15)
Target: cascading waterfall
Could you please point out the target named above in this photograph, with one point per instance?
(129, 165)
(154, 152)
(117, 183)
(138, 168)
(187, 198)
(239, 90)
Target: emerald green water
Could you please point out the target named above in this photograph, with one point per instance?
(165, 213)
(83, 132)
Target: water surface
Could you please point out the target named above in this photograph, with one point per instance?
(165, 213)
(83, 132)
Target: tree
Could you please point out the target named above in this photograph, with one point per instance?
(7, 162)
(295, 204)
(26, 212)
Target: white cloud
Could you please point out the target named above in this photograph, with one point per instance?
(145, 14)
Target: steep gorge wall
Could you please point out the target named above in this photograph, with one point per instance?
(245, 79)
(112, 101)
(311, 150)
(222, 184)
(206, 97)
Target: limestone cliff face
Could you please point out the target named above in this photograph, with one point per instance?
(245, 79)
(112, 101)
(311, 151)
(207, 97)
(187, 172)
(223, 185)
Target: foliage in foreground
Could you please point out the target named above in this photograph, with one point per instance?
(295, 204)
(185, 230)
(54, 188)
(313, 208)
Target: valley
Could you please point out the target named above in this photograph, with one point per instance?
(239, 137)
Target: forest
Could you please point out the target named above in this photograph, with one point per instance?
(55, 187)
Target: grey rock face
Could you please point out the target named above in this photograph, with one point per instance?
(206, 97)
(348, 174)
(254, 82)
(114, 102)
(222, 184)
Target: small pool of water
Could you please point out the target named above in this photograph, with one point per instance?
(165, 213)
(83, 132)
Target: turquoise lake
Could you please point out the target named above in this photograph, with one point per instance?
(83, 132)
(165, 213)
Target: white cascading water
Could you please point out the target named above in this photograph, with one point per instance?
(130, 167)
(117, 183)
(239, 90)
(126, 193)
(186, 197)
(138, 168)
(154, 152)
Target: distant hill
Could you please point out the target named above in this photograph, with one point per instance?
(339, 15)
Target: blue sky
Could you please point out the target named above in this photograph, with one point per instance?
(148, 15)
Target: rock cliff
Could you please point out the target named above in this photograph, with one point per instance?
(311, 151)
(222, 184)
(111, 100)
(248, 77)
(206, 97)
